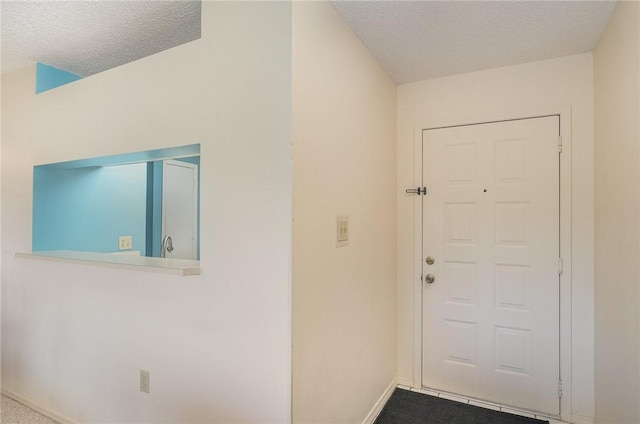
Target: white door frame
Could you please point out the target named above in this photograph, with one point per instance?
(564, 112)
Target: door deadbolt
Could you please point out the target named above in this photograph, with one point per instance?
(429, 278)
(430, 260)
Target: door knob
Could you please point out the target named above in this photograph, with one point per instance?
(429, 278)
(430, 260)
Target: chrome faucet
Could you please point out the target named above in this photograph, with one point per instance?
(167, 245)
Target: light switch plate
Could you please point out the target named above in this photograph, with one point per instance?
(145, 381)
(342, 231)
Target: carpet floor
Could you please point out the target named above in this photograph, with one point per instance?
(406, 407)
(13, 412)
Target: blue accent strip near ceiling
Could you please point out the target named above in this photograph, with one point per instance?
(48, 77)
(146, 156)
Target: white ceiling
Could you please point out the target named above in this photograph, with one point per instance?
(86, 37)
(418, 40)
(413, 40)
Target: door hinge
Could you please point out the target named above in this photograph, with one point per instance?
(418, 191)
(559, 388)
(559, 144)
(560, 266)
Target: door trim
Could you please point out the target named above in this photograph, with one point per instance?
(564, 112)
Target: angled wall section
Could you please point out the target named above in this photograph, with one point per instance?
(344, 303)
(617, 217)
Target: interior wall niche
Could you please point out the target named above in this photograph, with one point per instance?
(90, 205)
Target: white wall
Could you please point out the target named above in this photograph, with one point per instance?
(617, 213)
(344, 304)
(1, 243)
(533, 86)
(74, 337)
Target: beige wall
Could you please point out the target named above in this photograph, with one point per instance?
(617, 215)
(540, 86)
(1, 244)
(344, 305)
(217, 345)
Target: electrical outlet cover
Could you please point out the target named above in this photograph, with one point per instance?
(124, 242)
(342, 231)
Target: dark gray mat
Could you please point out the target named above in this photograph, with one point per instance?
(405, 407)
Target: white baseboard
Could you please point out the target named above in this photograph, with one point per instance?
(581, 419)
(377, 408)
(405, 381)
(55, 416)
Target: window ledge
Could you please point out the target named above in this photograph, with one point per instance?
(182, 267)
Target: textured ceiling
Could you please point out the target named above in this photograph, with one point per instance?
(413, 40)
(418, 40)
(86, 37)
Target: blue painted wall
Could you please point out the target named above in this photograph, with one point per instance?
(89, 208)
(48, 77)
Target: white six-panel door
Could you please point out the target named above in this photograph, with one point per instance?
(491, 224)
